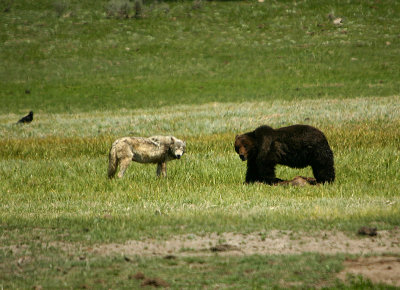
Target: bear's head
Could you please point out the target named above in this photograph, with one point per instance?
(245, 146)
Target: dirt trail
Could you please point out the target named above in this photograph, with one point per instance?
(274, 242)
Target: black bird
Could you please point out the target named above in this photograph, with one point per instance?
(27, 119)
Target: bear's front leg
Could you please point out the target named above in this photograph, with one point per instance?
(266, 172)
(251, 174)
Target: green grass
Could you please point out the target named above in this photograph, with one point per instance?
(203, 72)
(54, 188)
(56, 181)
(82, 270)
(47, 267)
(182, 53)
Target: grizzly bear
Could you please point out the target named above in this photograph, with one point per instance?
(296, 146)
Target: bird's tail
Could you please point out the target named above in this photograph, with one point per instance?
(112, 162)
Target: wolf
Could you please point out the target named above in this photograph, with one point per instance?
(154, 149)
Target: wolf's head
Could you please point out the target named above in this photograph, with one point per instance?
(177, 147)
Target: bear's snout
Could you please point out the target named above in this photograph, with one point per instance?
(242, 157)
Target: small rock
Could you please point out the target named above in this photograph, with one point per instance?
(170, 257)
(367, 231)
(338, 21)
(224, 248)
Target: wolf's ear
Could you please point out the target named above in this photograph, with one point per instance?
(172, 140)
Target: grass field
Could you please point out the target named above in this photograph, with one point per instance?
(78, 59)
(204, 72)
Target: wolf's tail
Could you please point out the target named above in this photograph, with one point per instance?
(112, 162)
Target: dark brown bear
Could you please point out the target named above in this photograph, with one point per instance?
(297, 146)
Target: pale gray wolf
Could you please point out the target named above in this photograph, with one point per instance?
(155, 149)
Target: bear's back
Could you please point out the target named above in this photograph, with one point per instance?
(305, 135)
(302, 145)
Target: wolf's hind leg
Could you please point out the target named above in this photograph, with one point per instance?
(162, 169)
(123, 166)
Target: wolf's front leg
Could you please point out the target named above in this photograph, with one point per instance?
(162, 169)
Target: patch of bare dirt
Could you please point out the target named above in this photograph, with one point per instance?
(153, 282)
(137, 276)
(274, 242)
(382, 269)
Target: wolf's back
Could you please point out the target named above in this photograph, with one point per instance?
(112, 161)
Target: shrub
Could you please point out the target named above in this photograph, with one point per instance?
(138, 8)
(119, 8)
(60, 7)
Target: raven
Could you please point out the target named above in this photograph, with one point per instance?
(27, 119)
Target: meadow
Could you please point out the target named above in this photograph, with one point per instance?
(204, 72)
